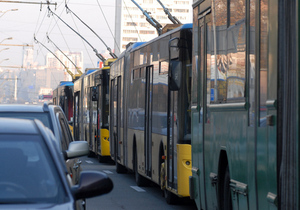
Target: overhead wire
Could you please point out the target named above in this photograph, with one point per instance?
(63, 37)
(44, 39)
(38, 21)
(108, 25)
(83, 43)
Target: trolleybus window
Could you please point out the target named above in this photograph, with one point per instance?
(263, 61)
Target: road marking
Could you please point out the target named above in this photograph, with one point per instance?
(107, 172)
(138, 189)
(88, 161)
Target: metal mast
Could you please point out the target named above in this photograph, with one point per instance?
(150, 19)
(109, 50)
(78, 70)
(172, 18)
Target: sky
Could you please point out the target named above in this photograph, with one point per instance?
(34, 20)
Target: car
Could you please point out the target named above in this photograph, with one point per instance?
(33, 173)
(52, 117)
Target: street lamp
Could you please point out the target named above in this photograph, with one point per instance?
(9, 38)
(7, 11)
(4, 49)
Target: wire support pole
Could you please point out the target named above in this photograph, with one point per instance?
(67, 69)
(109, 50)
(78, 70)
(95, 50)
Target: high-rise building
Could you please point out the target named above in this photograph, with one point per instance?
(132, 26)
(28, 60)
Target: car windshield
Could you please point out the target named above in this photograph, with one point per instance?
(44, 117)
(28, 173)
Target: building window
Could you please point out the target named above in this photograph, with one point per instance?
(130, 39)
(129, 31)
(163, 67)
(146, 32)
(130, 24)
(181, 10)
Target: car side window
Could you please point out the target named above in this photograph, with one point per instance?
(64, 143)
(69, 137)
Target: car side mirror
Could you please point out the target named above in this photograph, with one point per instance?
(76, 149)
(91, 184)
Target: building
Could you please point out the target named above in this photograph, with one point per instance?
(33, 77)
(53, 63)
(131, 24)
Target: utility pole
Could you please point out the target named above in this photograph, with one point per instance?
(17, 45)
(29, 2)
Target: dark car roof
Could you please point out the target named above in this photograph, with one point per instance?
(17, 126)
(22, 108)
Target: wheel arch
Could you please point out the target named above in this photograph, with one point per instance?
(222, 165)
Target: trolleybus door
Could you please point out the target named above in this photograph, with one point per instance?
(267, 109)
(199, 94)
(76, 115)
(94, 118)
(116, 96)
(172, 132)
(112, 119)
(100, 108)
(172, 139)
(148, 119)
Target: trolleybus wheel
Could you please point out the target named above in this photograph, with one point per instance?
(170, 197)
(101, 159)
(120, 169)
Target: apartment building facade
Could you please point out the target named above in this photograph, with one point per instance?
(131, 24)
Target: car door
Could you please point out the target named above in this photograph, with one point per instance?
(73, 165)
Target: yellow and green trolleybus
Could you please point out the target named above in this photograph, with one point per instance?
(245, 104)
(150, 130)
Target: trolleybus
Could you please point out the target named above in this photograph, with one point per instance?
(91, 110)
(63, 96)
(245, 104)
(150, 130)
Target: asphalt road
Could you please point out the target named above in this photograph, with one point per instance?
(126, 194)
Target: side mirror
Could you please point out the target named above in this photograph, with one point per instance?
(175, 75)
(91, 184)
(76, 149)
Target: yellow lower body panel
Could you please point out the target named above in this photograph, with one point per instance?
(104, 142)
(184, 167)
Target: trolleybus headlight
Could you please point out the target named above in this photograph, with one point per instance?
(187, 163)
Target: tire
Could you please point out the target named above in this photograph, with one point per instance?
(101, 159)
(120, 169)
(170, 197)
(227, 201)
